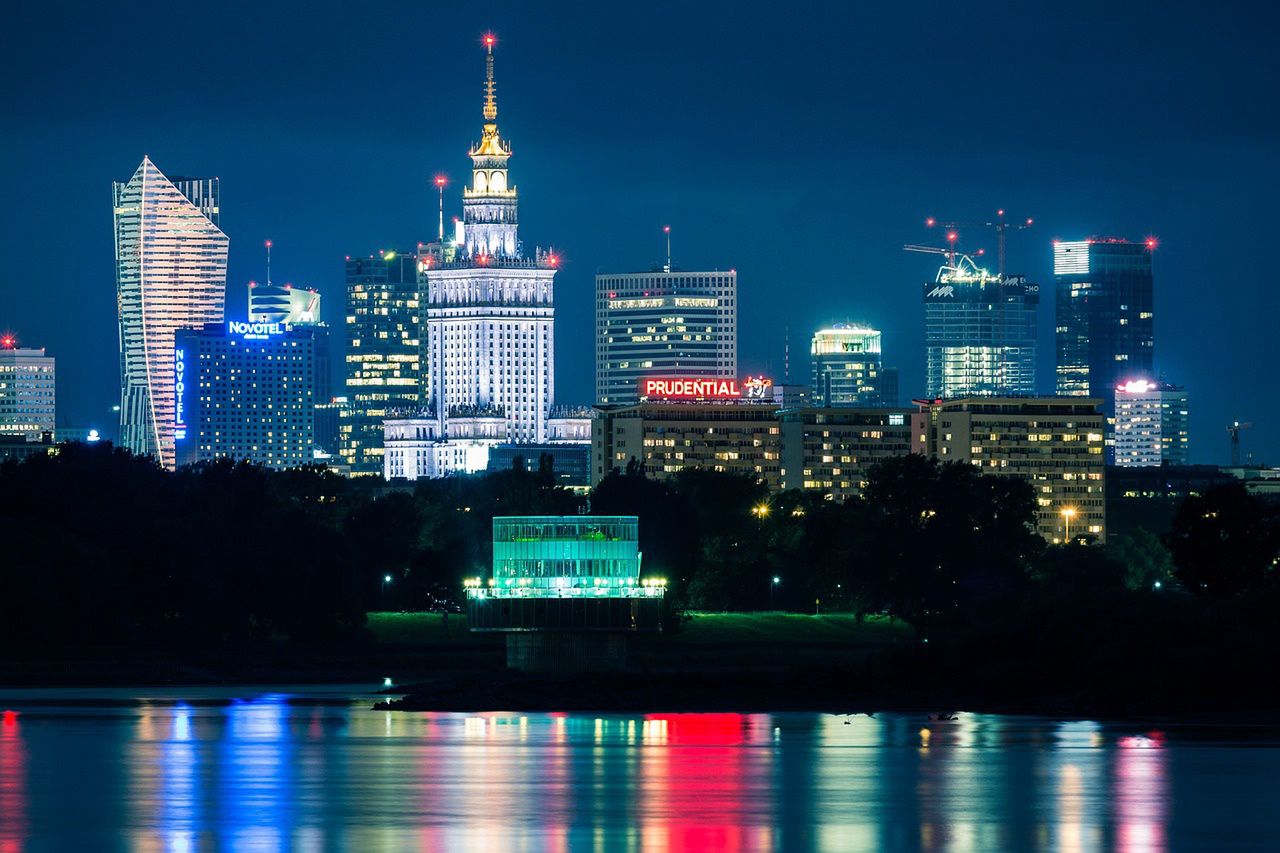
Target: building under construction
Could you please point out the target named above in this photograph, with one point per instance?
(980, 330)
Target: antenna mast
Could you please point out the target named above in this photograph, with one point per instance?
(666, 229)
(268, 245)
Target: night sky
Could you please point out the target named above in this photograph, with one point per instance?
(801, 144)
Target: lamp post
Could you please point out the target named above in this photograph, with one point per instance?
(772, 586)
(1068, 513)
(386, 582)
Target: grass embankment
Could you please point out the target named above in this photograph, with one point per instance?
(715, 641)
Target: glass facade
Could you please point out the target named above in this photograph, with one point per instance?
(384, 354)
(847, 369)
(1105, 316)
(171, 273)
(980, 337)
(1151, 424)
(663, 324)
(564, 557)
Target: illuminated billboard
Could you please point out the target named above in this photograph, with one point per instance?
(700, 388)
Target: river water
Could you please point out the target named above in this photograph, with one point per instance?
(316, 769)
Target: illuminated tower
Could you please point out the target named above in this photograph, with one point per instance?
(171, 273)
(489, 310)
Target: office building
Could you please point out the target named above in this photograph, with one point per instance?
(665, 322)
(16, 448)
(245, 393)
(570, 461)
(171, 273)
(416, 447)
(1105, 315)
(489, 310)
(829, 451)
(1054, 443)
(847, 368)
(283, 303)
(1150, 424)
(980, 333)
(28, 392)
(384, 354)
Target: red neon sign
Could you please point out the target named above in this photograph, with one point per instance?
(696, 388)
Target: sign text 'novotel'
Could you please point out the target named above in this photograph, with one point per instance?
(179, 390)
(254, 330)
(697, 388)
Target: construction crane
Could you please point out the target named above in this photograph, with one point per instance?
(959, 266)
(1000, 226)
(1234, 431)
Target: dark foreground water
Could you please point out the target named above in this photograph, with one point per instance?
(249, 770)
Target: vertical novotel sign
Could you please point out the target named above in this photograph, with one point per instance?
(179, 392)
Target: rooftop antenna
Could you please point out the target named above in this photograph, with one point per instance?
(268, 245)
(490, 93)
(786, 355)
(441, 180)
(666, 229)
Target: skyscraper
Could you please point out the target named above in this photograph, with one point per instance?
(1151, 424)
(27, 390)
(245, 393)
(489, 309)
(847, 368)
(299, 307)
(171, 273)
(1105, 310)
(980, 333)
(384, 354)
(662, 323)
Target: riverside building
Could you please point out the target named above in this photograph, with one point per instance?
(171, 273)
(663, 322)
(1054, 443)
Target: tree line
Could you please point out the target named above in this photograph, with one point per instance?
(105, 547)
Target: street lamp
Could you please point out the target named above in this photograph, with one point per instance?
(760, 510)
(1068, 513)
(386, 581)
(776, 580)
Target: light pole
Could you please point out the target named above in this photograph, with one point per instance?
(386, 582)
(1068, 513)
(772, 586)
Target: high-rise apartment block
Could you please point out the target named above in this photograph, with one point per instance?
(28, 393)
(171, 274)
(384, 354)
(847, 368)
(1105, 315)
(666, 322)
(1151, 424)
(1054, 443)
(245, 392)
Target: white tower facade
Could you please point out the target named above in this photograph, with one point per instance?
(171, 273)
(490, 311)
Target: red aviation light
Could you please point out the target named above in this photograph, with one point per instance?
(666, 229)
(441, 181)
(952, 236)
(1152, 243)
(267, 244)
(490, 39)
(8, 342)
(930, 222)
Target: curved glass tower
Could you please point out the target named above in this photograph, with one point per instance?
(171, 273)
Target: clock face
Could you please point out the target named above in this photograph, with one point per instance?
(481, 182)
(498, 182)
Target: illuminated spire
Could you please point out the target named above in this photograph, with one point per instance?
(490, 91)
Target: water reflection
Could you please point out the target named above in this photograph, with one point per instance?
(268, 773)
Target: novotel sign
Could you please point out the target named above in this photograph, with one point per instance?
(696, 388)
(254, 330)
(179, 391)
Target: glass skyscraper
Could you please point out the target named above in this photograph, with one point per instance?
(847, 368)
(663, 323)
(980, 335)
(1105, 315)
(1151, 424)
(171, 273)
(384, 353)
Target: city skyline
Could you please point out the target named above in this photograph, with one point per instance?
(747, 207)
